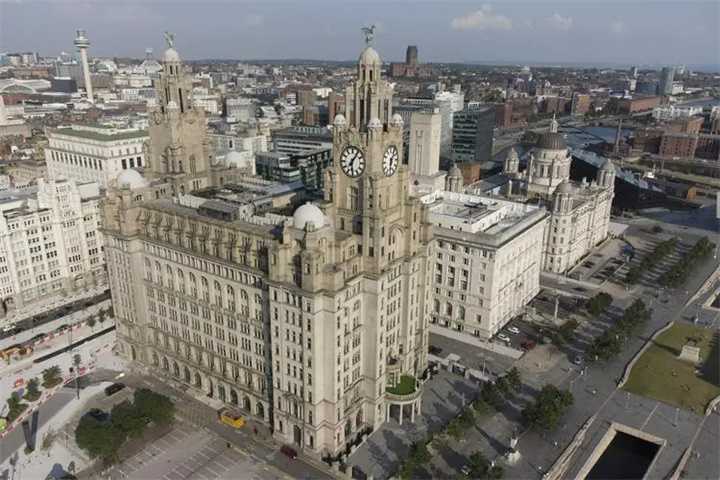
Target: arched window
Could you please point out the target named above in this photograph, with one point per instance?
(230, 298)
(461, 312)
(193, 285)
(158, 273)
(148, 270)
(170, 280)
(218, 293)
(181, 280)
(449, 310)
(244, 303)
(436, 306)
(205, 289)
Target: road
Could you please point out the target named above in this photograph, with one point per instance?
(14, 440)
(57, 309)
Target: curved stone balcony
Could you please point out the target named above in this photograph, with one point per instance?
(407, 390)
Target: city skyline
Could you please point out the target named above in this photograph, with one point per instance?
(548, 33)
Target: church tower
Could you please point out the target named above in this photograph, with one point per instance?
(178, 150)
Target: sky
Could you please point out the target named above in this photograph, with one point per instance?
(602, 32)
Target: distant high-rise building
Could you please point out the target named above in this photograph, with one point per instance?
(580, 103)
(411, 55)
(634, 71)
(647, 87)
(306, 98)
(667, 75)
(424, 142)
(472, 135)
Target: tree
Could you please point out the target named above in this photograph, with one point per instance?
(599, 304)
(466, 418)
(47, 441)
(567, 329)
(480, 406)
(491, 395)
(154, 407)
(51, 376)
(454, 429)
(514, 378)
(482, 469)
(419, 453)
(91, 322)
(405, 468)
(548, 408)
(503, 386)
(102, 316)
(98, 439)
(77, 359)
(15, 407)
(32, 391)
(128, 420)
(657, 229)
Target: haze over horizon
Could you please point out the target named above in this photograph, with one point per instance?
(551, 33)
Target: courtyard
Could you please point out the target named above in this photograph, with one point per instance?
(661, 375)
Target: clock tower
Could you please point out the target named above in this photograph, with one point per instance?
(368, 185)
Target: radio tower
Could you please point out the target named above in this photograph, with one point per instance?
(82, 45)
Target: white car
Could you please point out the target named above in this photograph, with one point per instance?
(504, 338)
(8, 327)
(465, 470)
(513, 330)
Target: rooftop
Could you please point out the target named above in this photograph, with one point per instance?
(96, 134)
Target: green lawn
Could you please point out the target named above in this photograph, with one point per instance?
(659, 374)
(405, 387)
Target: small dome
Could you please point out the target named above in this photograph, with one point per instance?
(369, 56)
(455, 171)
(339, 119)
(608, 165)
(551, 141)
(374, 123)
(565, 187)
(171, 56)
(397, 119)
(236, 159)
(512, 154)
(172, 105)
(130, 179)
(308, 213)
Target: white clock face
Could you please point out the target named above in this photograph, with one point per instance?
(352, 162)
(390, 161)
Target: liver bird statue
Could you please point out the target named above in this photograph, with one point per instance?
(369, 34)
(170, 39)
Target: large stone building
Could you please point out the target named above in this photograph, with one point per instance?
(580, 212)
(93, 154)
(314, 323)
(50, 241)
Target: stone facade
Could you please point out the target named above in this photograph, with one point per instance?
(312, 324)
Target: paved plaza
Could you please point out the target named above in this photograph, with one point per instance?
(189, 453)
(442, 398)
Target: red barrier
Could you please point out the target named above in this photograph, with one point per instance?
(18, 383)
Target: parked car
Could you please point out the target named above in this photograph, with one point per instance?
(433, 350)
(37, 337)
(99, 415)
(289, 452)
(580, 289)
(504, 338)
(513, 330)
(578, 359)
(62, 328)
(9, 327)
(465, 470)
(114, 388)
(527, 346)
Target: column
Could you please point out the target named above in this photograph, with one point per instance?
(412, 412)
(387, 413)
(401, 414)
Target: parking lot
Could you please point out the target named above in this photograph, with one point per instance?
(188, 453)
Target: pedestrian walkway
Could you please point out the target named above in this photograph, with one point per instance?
(476, 342)
(50, 303)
